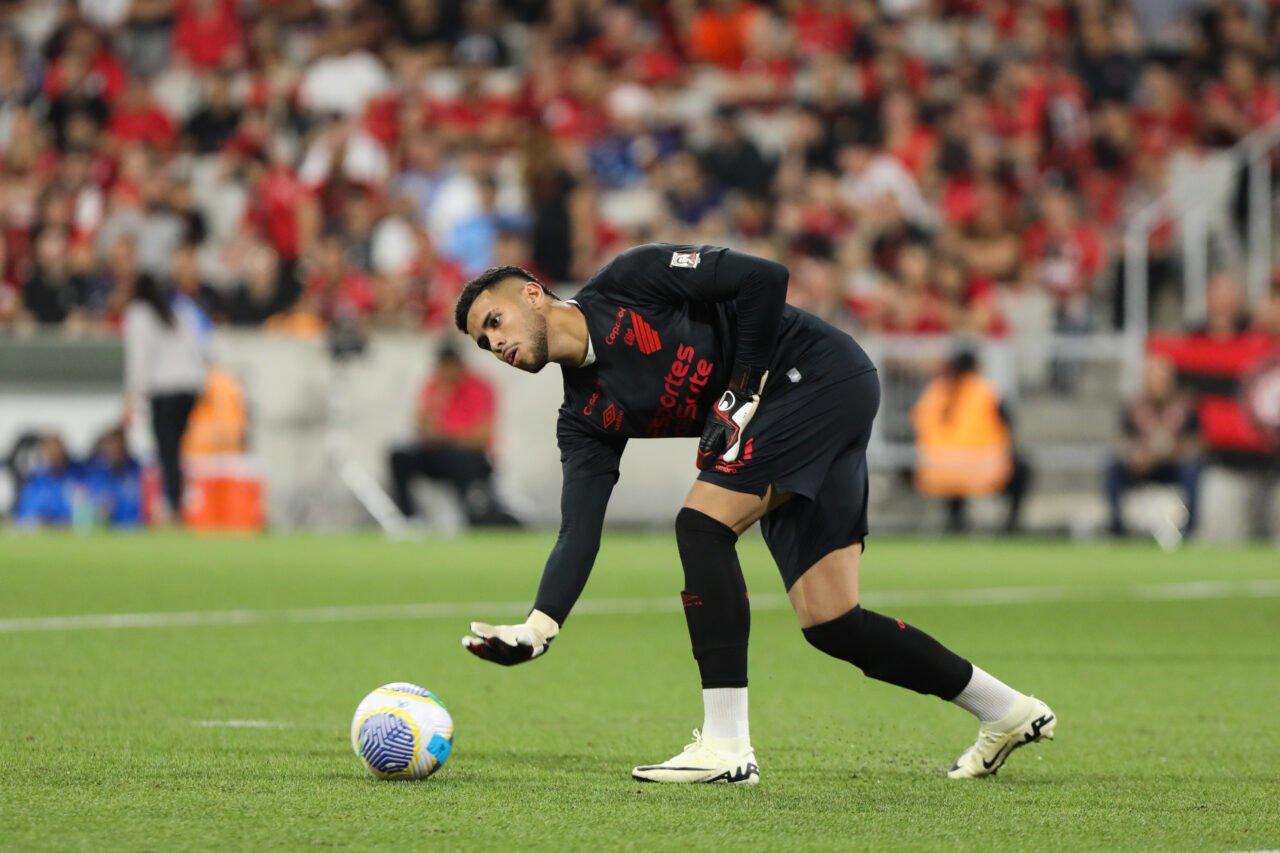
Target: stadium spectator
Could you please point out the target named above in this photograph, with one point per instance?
(10, 288)
(881, 191)
(334, 287)
(455, 420)
(113, 479)
(219, 423)
(937, 118)
(1063, 256)
(263, 289)
(346, 77)
(207, 33)
(1226, 315)
(54, 490)
(166, 337)
(215, 122)
(52, 293)
(184, 278)
(732, 160)
(964, 444)
(1266, 315)
(1161, 443)
(470, 241)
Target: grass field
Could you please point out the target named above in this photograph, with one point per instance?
(114, 733)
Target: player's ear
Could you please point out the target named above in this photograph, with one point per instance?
(534, 293)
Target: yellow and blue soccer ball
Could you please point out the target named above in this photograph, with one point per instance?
(402, 731)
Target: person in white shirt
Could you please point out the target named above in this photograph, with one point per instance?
(879, 187)
(166, 337)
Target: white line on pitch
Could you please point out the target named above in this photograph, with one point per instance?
(1191, 591)
(241, 724)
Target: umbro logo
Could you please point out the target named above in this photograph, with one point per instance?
(612, 416)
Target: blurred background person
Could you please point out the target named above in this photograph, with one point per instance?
(1161, 443)
(166, 339)
(964, 444)
(113, 480)
(456, 410)
(49, 493)
(219, 423)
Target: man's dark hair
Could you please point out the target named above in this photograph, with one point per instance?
(483, 282)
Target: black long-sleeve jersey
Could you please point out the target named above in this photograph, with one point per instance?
(667, 324)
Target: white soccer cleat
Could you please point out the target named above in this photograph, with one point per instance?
(1029, 721)
(702, 763)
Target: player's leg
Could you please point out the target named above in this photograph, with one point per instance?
(719, 620)
(825, 599)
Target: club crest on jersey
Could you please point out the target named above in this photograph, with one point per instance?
(686, 260)
(641, 334)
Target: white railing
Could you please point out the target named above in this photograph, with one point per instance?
(1020, 369)
(1195, 224)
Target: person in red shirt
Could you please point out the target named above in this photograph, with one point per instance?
(334, 286)
(1064, 256)
(135, 119)
(207, 33)
(456, 409)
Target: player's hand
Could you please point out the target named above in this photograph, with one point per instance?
(722, 435)
(512, 644)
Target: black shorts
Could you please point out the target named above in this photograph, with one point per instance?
(809, 441)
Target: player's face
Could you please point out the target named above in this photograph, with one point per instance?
(505, 321)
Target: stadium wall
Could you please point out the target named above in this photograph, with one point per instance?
(309, 413)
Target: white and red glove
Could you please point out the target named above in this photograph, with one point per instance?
(722, 436)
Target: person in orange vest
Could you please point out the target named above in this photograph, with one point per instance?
(219, 422)
(964, 447)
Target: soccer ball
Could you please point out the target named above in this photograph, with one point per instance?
(402, 731)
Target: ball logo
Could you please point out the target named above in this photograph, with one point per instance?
(686, 260)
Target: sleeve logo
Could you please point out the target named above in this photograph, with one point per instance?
(685, 260)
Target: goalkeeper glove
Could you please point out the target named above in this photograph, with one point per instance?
(722, 435)
(512, 644)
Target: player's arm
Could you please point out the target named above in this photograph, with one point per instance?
(590, 472)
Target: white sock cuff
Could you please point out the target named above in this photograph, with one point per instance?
(725, 713)
(986, 697)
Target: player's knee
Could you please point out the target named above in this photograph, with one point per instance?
(708, 551)
(839, 636)
(698, 533)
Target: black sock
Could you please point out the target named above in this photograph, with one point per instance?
(890, 650)
(715, 598)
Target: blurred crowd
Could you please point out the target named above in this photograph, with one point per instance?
(289, 162)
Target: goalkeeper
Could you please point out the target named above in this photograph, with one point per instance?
(671, 340)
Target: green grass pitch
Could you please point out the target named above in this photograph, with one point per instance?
(1162, 668)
